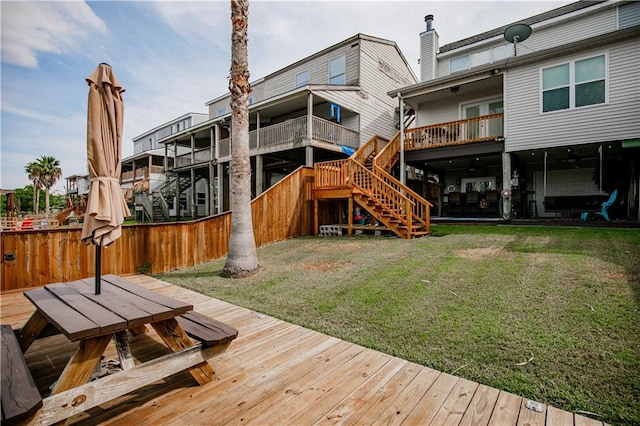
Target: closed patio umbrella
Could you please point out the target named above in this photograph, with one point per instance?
(106, 206)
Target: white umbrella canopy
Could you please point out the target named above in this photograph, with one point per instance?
(106, 206)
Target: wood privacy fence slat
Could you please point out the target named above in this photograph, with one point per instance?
(34, 258)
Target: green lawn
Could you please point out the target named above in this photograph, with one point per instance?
(549, 313)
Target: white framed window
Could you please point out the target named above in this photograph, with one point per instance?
(302, 79)
(574, 84)
(480, 58)
(459, 64)
(337, 70)
(501, 52)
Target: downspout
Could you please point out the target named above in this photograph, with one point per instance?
(402, 166)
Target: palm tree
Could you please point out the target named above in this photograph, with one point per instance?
(33, 170)
(50, 172)
(242, 258)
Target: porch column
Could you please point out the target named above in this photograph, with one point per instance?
(176, 202)
(506, 183)
(219, 170)
(194, 206)
(309, 116)
(257, 130)
(259, 167)
(402, 165)
(166, 159)
(212, 176)
(309, 156)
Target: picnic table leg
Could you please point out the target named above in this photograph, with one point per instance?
(31, 330)
(82, 363)
(176, 339)
(124, 351)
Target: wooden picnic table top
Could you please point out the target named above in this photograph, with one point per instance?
(77, 312)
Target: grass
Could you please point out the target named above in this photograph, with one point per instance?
(551, 314)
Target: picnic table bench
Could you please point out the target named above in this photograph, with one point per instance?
(20, 395)
(74, 310)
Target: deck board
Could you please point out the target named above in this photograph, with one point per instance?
(280, 373)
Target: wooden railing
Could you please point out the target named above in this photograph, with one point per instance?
(278, 134)
(460, 132)
(141, 185)
(38, 257)
(370, 149)
(421, 208)
(332, 174)
(396, 204)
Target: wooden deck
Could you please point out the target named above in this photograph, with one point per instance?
(276, 373)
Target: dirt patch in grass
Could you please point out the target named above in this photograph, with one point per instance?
(478, 253)
(325, 266)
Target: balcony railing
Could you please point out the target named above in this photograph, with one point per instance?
(141, 173)
(199, 156)
(460, 132)
(280, 134)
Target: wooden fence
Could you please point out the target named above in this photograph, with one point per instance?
(34, 258)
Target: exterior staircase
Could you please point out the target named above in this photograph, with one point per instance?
(366, 176)
(168, 191)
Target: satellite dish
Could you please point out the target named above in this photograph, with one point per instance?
(517, 33)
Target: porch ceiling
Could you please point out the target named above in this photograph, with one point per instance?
(488, 82)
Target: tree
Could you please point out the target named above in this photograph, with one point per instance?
(50, 172)
(33, 170)
(242, 259)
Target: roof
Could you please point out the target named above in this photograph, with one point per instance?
(529, 21)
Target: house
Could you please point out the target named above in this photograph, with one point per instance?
(320, 108)
(541, 116)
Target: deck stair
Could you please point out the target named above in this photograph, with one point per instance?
(166, 192)
(391, 203)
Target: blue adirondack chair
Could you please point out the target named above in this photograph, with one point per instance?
(604, 207)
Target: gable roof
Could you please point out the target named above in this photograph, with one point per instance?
(529, 21)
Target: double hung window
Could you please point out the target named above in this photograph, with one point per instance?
(337, 70)
(575, 84)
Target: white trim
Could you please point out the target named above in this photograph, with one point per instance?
(572, 82)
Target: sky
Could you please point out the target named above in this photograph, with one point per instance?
(174, 56)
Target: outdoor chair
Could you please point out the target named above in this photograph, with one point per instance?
(604, 207)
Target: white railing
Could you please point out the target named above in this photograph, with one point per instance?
(281, 133)
(327, 131)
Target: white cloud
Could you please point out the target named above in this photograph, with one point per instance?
(30, 28)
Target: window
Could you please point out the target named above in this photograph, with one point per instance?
(501, 52)
(574, 84)
(302, 79)
(337, 70)
(459, 64)
(480, 58)
(250, 101)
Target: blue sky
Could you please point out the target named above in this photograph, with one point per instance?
(173, 56)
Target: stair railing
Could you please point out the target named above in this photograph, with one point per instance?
(421, 207)
(369, 149)
(394, 202)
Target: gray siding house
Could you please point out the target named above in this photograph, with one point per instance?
(550, 122)
(320, 108)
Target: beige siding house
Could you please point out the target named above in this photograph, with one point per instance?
(549, 120)
(318, 108)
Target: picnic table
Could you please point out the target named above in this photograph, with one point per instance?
(122, 307)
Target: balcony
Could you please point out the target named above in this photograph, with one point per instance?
(461, 132)
(280, 134)
(141, 173)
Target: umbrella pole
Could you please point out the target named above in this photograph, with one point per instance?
(98, 266)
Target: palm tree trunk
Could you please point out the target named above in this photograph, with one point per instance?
(242, 259)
